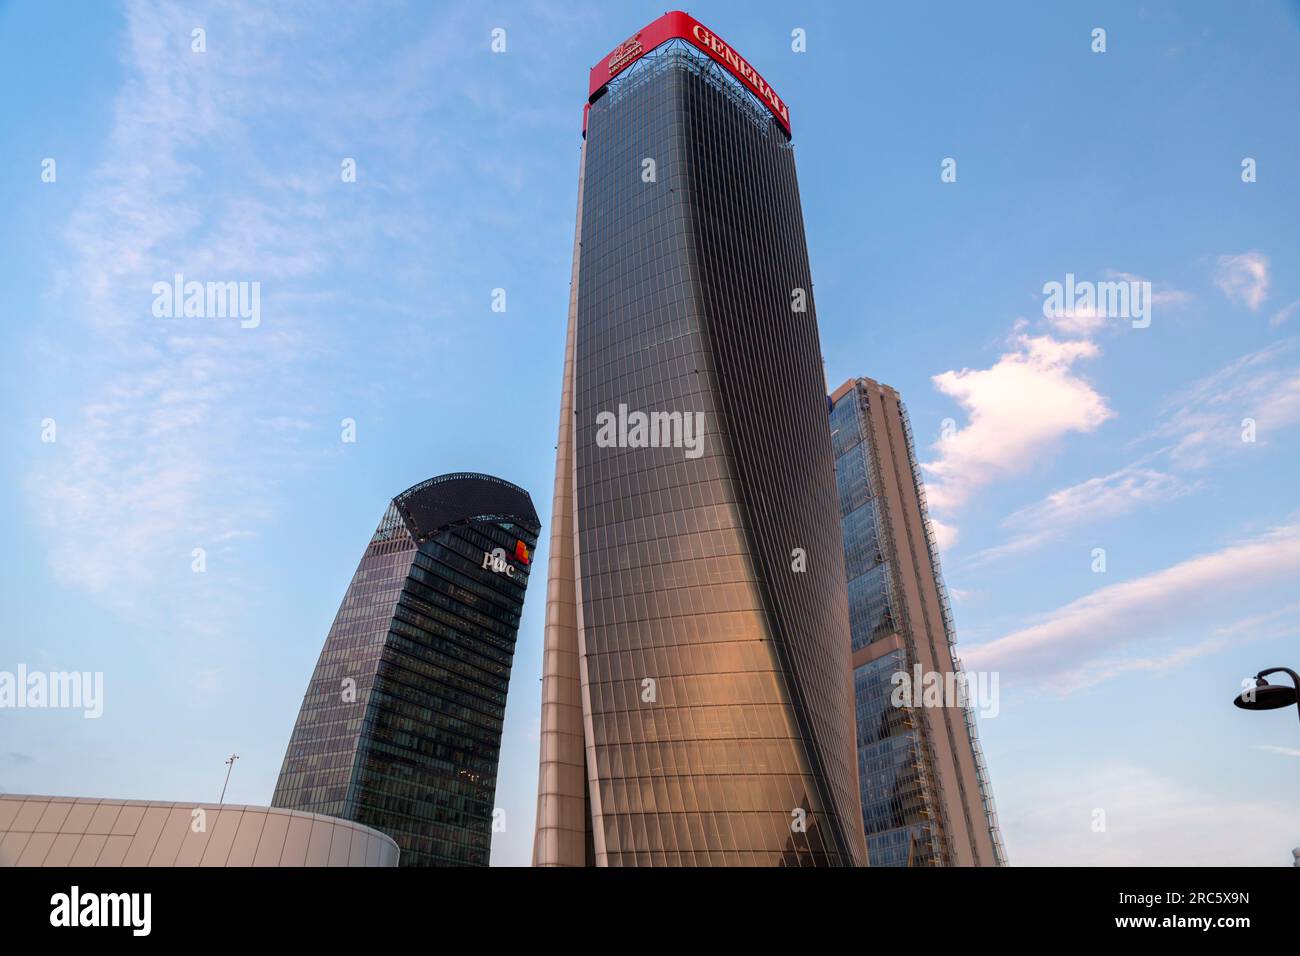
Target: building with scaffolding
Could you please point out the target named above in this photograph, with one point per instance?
(926, 799)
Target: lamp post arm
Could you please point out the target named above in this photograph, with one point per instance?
(1295, 679)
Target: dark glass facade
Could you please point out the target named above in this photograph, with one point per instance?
(925, 794)
(696, 700)
(400, 728)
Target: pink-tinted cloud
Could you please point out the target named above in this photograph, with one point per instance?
(1017, 411)
(1244, 277)
(1085, 630)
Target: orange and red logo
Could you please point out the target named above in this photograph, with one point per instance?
(521, 552)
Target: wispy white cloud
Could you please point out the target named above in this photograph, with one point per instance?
(1078, 322)
(1021, 407)
(225, 166)
(1208, 419)
(1284, 751)
(1269, 625)
(1244, 277)
(160, 458)
(1201, 423)
(1085, 321)
(1164, 297)
(1092, 501)
(1162, 294)
(1089, 675)
(1071, 639)
(1284, 313)
(1017, 411)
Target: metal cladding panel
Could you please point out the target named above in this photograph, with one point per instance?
(432, 505)
(716, 696)
(162, 834)
(563, 831)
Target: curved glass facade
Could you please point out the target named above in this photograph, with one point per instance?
(400, 729)
(696, 700)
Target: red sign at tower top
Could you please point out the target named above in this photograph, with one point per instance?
(682, 26)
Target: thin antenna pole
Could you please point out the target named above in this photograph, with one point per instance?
(230, 765)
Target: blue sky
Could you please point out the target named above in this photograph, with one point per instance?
(1066, 435)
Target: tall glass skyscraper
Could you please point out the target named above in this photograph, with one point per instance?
(400, 728)
(926, 799)
(697, 706)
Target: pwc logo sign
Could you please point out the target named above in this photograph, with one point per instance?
(496, 560)
(682, 26)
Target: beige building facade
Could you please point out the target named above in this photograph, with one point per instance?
(43, 831)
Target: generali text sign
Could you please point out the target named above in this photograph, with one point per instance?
(678, 25)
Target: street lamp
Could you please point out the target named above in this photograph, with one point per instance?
(1266, 696)
(230, 765)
